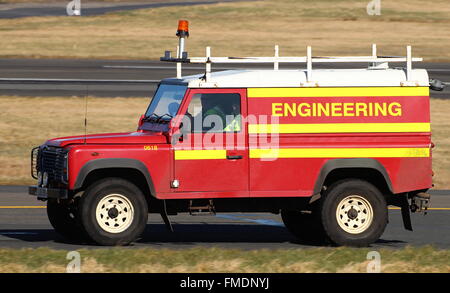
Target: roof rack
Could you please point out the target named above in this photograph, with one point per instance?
(374, 61)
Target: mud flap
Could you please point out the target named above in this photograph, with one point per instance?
(406, 215)
(165, 218)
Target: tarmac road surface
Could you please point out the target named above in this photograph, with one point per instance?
(128, 78)
(24, 223)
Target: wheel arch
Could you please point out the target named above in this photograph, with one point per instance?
(130, 169)
(367, 169)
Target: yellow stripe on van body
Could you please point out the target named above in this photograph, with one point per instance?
(341, 153)
(339, 128)
(200, 154)
(337, 92)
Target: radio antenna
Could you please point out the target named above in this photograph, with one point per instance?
(85, 112)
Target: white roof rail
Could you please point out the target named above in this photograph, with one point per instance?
(374, 61)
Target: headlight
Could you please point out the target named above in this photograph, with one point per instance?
(66, 168)
(45, 179)
(39, 178)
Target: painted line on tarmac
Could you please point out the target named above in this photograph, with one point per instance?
(167, 67)
(18, 233)
(74, 80)
(432, 209)
(438, 70)
(23, 207)
(257, 221)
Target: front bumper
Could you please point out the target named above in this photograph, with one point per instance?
(46, 193)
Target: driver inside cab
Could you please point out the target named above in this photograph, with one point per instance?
(227, 109)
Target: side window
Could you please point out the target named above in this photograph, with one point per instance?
(215, 113)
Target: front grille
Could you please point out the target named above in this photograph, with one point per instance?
(53, 161)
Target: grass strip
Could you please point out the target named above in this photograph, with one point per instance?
(218, 260)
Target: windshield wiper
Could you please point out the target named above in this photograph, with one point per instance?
(156, 118)
(151, 117)
(164, 120)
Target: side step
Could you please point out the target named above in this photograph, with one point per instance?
(200, 207)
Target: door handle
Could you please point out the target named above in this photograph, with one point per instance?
(234, 157)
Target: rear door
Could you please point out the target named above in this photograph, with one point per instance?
(212, 153)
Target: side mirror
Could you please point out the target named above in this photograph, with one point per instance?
(436, 85)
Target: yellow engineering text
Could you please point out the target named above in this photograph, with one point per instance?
(351, 109)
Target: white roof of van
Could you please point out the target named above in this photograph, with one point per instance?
(296, 78)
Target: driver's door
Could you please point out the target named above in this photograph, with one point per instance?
(210, 157)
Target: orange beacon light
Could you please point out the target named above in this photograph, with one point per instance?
(183, 28)
(182, 32)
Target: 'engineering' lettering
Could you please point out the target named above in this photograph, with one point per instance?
(336, 109)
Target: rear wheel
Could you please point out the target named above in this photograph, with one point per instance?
(64, 217)
(114, 212)
(353, 213)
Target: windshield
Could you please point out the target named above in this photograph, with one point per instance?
(166, 102)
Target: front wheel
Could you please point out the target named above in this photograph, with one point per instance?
(64, 217)
(113, 212)
(354, 213)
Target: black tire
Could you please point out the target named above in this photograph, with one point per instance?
(367, 205)
(64, 217)
(134, 208)
(305, 226)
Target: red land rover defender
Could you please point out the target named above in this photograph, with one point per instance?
(329, 149)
